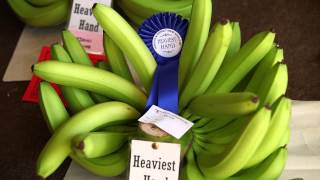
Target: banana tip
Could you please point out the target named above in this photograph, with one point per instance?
(272, 30)
(255, 99)
(268, 106)
(224, 21)
(32, 67)
(94, 5)
(80, 146)
(41, 178)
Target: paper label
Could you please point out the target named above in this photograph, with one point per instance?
(169, 122)
(167, 43)
(154, 161)
(84, 26)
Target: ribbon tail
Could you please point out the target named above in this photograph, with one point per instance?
(168, 86)
(153, 94)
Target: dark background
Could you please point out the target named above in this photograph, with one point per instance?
(297, 23)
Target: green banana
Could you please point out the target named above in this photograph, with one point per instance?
(127, 129)
(209, 63)
(111, 165)
(41, 2)
(196, 37)
(77, 99)
(97, 144)
(116, 59)
(279, 124)
(59, 145)
(223, 135)
(92, 79)
(225, 104)
(55, 114)
(209, 148)
(271, 168)
(97, 98)
(127, 39)
(136, 19)
(274, 55)
(235, 43)
(285, 139)
(191, 170)
(146, 8)
(231, 73)
(212, 124)
(103, 65)
(275, 84)
(51, 15)
(51, 106)
(239, 151)
(75, 49)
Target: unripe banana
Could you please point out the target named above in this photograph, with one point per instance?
(271, 168)
(126, 38)
(111, 165)
(41, 2)
(223, 135)
(136, 19)
(55, 114)
(275, 84)
(92, 79)
(77, 99)
(97, 144)
(195, 39)
(208, 149)
(209, 63)
(116, 59)
(274, 55)
(231, 73)
(191, 170)
(51, 106)
(103, 65)
(235, 43)
(97, 98)
(212, 124)
(226, 104)
(51, 15)
(239, 151)
(75, 49)
(146, 8)
(59, 145)
(278, 126)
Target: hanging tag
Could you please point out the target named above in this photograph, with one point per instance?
(169, 122)
(84, 26)
(154, 161)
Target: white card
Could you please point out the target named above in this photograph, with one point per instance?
(154, 161)
(169, 122)
(84, 26)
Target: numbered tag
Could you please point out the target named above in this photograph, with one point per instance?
(154, 161)
(84, 26)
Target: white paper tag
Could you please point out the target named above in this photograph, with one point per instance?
(154, 161)
(167, 42)
(169, 122)
(84, 26)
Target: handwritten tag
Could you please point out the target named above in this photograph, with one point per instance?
(84, 26)
(154, 161)
(169, 122)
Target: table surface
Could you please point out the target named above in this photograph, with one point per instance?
(296, 22)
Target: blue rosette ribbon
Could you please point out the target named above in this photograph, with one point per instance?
(163, 33)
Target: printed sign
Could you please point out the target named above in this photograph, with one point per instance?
(154, 161)
(84, 26)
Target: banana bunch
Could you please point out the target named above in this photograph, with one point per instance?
(234, 94)
(41, 13)
(139, 10)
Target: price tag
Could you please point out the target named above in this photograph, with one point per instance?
(154, 161)
(169, 122)
(84, 26)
